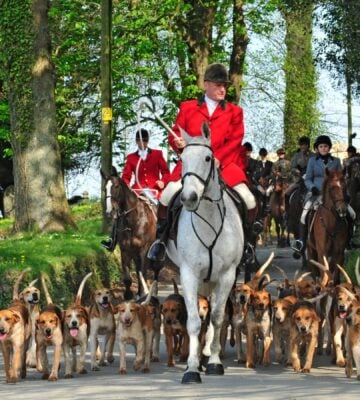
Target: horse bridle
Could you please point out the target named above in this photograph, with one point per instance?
(222, 213)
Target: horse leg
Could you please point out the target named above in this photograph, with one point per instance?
(126, 278)
(190, 288)
(218, 303)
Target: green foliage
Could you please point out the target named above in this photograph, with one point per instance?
(65, 257)
(339, 51)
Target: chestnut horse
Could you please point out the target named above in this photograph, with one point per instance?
(134, 222)
(328, 228)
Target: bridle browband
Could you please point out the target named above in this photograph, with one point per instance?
(221, 210)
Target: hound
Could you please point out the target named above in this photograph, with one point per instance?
(258, 325)
(282, 310)
(49, 332)
(30, 297)
(102, 322)
(136, 326)
(304, 330)
(352, 339)
(15, 332)
(174, 315)
(76, 332)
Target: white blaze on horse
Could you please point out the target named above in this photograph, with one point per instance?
(209, 246)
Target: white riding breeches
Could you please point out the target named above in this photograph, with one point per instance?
(241, 188)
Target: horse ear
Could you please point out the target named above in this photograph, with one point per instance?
(184, 135)
(205, 130)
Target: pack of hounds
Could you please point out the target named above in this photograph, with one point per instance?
(295, 323)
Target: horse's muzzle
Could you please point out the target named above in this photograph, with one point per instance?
(190, 201)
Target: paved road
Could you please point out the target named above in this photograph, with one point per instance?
(274, 382)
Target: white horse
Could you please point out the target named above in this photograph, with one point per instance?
(210, 244)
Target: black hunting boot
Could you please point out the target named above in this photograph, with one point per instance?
(110, 243)
(299, 246)
(157, 250)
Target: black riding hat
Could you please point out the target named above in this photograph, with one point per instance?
(304, 140)
(143, 133)
(263, 152)
(322, 139)
(216, 73)
(248, 146)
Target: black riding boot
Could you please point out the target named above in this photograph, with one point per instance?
(110, 243)
(351, 224)
(300, 243)
(157, 250)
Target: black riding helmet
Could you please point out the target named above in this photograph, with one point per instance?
(322, 139)
(263, 152)
(248, 146)
(304, 140)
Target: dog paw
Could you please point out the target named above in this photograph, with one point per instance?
(358, 377)
(68, 376)
(250, 365)
(155, 359)
(52, 378)
(232, 342)
(82, 371)
(171, 364)
(348, 372)
(123, 371)
(137, 365)
(110, 359)
(11, 379)
(102, 363)
(146, 370)
(95, 368)
(305, 370)
(45, 376)
(340, 363)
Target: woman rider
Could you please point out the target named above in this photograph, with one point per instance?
(314, 178)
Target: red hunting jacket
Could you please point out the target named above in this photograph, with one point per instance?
(227, 132)
(152, 169)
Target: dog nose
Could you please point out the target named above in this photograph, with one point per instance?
(105, 299)
(48, 331)
(73, 323)
(303, 329)
(348, 320)
(35, 296)
(341, 307)
(2, 331)
(168, 321)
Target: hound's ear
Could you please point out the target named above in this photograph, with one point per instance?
(205, 130)
(16, 317)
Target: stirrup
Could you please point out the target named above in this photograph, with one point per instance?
(298, 246)
(249, 254)
(257, 228)
(157, 251)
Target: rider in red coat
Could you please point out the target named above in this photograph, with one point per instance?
(150, 172)
(227, 131)
(148, 167)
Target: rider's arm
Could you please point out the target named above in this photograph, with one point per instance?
(127, 172)
(309, 175)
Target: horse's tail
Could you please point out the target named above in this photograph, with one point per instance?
(17, 283)
(81, 288)
(46, 291)
(176, 289)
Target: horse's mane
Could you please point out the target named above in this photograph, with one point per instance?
(329, 176)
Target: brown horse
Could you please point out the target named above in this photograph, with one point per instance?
(134, 223)
(328, 228)
(277, 210)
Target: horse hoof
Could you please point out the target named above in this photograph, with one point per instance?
(296, 255)
(214, 369)
(191, 377)
(204, 361)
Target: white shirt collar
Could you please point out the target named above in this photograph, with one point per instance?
(211, 105)
(143, 153)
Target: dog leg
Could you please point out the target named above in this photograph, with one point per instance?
(6, 355)
(250, 350)
(310, 355)
(140, 353)
(122, 369)
(110, 348)
(93, 349)
(267, 345)
(41, 357)
(340, 362)
(170, 348)
(278, 349)
(55, 369)
(356, 357)
(156, 346)
(148, 344)
(295, 360)
(68, 370)
(80, 368)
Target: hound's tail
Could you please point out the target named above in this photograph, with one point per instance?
(81, 288)
(176, 289)
(46, 291)
(17, 283)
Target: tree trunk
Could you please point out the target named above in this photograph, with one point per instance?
(40, 201)
(301, 116)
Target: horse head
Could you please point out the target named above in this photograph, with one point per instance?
(198, 168)
(334, 192)
(115, 189)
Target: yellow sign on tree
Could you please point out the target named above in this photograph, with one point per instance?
(106, 114)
